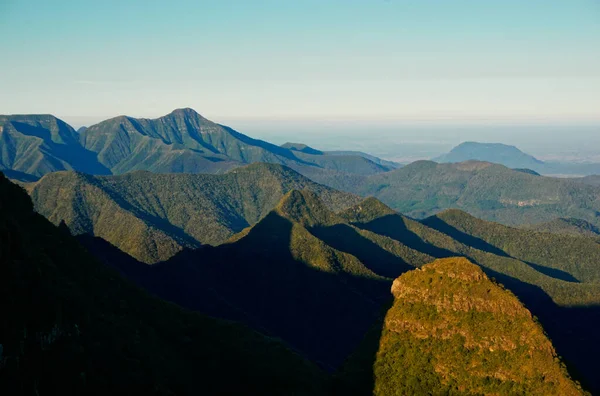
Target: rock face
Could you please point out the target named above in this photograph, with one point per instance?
(451, 330)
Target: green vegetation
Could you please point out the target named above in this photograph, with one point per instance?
(452, 331)
(33, 145)
(154, 216)
(71, 326)
(570, 226)
(280, 278)
(180, 142)
(488, 191)
(322, 274)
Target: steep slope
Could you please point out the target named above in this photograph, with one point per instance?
(578, 257)
(153, 216)
(453, 331)
(34, 145)
(279, 278)
(556, 276)
(336, 261)
(71, 326)
(498, 153)
(184, 141)
(488, 191)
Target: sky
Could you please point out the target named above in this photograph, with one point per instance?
(508, 60)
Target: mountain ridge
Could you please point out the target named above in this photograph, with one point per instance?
(153, 216)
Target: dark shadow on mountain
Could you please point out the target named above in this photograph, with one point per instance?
(113, 257)
(553, 272)
(572, 330)
(79, 158)
(32, 130)
(323, 315)
(70, 151)
(283, 152)
(477, 243)
(164, 225)
(345, 238)
(464, 238)
(393, 226)
(356, 376)
(20, 176)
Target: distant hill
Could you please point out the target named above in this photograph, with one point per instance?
(184, 141)
(512, 157)
(309, 150)
(33, 145)
(481, 340)
(180, 142)
(153, 216)
(498, 153)
(71, 326)
(348, 261)
(489, 191)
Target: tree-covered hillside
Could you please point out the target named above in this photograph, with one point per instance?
(339, 266)
(488, 191)
(153, 216)
(71, 326)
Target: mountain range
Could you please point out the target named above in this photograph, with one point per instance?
(311, 272)
(323, 276)
(512, 157)
(489, 191)
(69, 323)
(180, 142)
(153, 216)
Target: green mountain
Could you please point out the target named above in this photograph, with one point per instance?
(277, 277)
(488, 191)
(33, 145)
(71, 326)
(451, 330)
(498, 153)
(180, 142)
(512, 157)
(337, 268)
(184, 141)
(568, 226)
(154, 216)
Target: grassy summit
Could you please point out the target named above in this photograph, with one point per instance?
(453, 331)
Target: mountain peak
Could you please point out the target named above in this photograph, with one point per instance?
(304, 207)
(499, 153)
(186, 111)
(367, 210)
(459, 330)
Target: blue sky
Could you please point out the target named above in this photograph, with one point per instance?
(280, 59)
